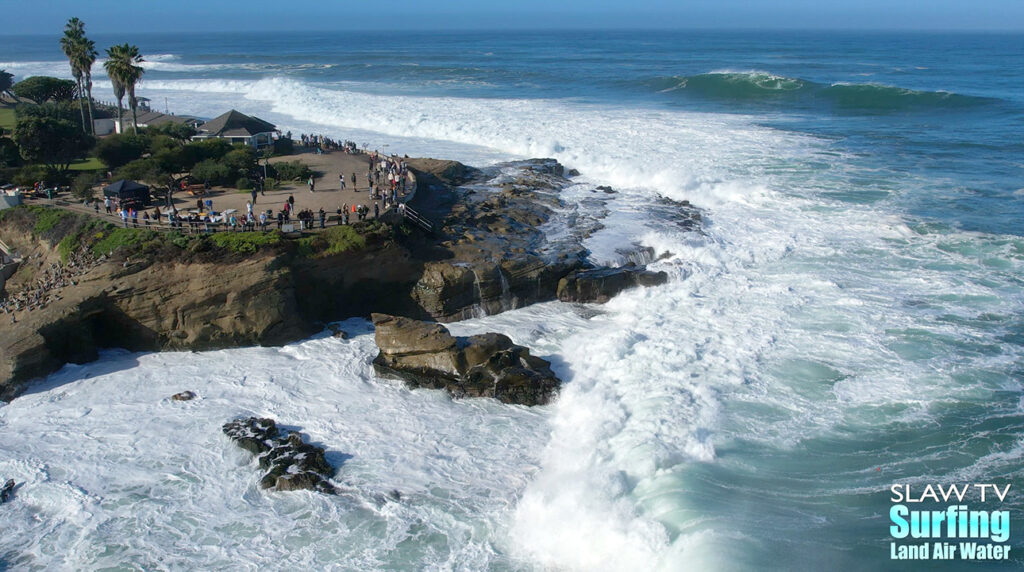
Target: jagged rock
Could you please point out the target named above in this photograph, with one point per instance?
(290, 463)
(600, 284)
(425, 354)
(184, 396)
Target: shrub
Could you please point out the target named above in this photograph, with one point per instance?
(291, 170)
(284, 146)
(211, 171)
(334, 240)
(120, 149)
(83, 186)
(112, 238)
(241, 160)
(29, 175)
(245, 242)
(46, 218)
(68, 245)
(243, 183)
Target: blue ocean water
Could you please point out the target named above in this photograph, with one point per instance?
(850, 318)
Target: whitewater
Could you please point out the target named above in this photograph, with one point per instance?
(819, 339)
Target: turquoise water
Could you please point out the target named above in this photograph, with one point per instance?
(850, 318)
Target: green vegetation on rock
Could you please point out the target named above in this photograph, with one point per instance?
(245, 241)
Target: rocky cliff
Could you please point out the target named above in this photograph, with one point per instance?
(151, 293)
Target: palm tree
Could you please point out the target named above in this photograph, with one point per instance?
(111, 65)
(6, 82)
(86, 57)
(71, 45)
(121, 66)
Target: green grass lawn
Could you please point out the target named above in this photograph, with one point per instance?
(7, 118)
(90, 164)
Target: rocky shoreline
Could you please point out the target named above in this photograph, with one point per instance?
(490, 253)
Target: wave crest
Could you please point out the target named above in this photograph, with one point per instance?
(756, 85)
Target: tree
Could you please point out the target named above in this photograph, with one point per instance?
(180, 132)
(51, 141)
(124, 71)
(53, 110)
(71, 45)
(120, 149)
(41, 89)
(6, 82)
(10, 155)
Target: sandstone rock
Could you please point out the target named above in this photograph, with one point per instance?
(290, 463)
(600, 284)
(425, 354)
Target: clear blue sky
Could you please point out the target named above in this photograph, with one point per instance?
(48, 16)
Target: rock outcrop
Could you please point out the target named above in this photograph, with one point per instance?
(601, 284)
(425, 354)
(290, 463)
(490, 254)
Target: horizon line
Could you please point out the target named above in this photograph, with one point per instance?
(743, 29)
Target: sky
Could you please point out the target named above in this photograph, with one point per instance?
(105, 16)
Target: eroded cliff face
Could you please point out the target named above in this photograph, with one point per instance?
(142, 306)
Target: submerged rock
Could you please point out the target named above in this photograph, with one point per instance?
(425, 354)
(600, 284)
(290, 463)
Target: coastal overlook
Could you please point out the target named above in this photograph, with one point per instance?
(708, 287)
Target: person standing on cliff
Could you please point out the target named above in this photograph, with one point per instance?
(253, 193)
(341, 180)
(312, 184)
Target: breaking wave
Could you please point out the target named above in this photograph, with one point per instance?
(763, 86)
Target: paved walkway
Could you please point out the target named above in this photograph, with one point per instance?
(328, 194)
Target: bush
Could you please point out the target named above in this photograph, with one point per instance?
(284, 146)
(211, 171)
(68, 245)
(291, 170)
(334, 240)
(83, 186)
(243, 183)
(117, 150)
(245, 242)
(112, 238)
(47, 218)
(29, 175)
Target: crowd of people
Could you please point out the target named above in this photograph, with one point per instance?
(322, 144)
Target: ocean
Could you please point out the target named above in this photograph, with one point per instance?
(848, 317)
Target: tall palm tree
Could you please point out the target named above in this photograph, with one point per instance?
(71, 45)
(86, 57)
(124, 71)
(112, 66)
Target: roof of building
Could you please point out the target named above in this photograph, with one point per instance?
(153, 118)
(235, 124)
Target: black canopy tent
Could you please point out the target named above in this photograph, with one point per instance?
(128, 191)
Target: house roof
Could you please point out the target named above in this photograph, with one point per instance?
(235, 124)
(153, 118)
